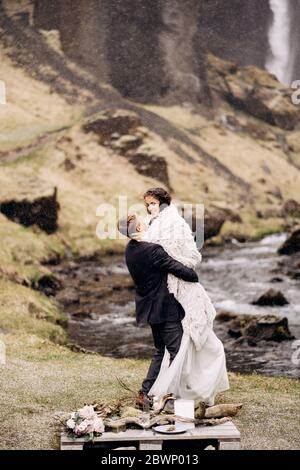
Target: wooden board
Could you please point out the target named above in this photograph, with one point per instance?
(227, 436)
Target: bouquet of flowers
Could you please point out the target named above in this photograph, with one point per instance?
(85, 422)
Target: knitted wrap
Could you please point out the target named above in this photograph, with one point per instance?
(172, 232)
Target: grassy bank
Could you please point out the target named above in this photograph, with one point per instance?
(42, 377)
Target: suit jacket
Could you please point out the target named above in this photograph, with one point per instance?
(149, 265)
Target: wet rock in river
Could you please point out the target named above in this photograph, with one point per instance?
(268, 328)
(254, 328)
(291, 245)
(276, 279)
(271, 298)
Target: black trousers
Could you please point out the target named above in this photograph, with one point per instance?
(165, 335)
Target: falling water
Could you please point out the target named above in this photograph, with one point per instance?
(280, 57)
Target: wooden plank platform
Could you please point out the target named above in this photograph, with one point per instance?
(226, 436)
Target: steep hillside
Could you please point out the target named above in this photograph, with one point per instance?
(237, 153)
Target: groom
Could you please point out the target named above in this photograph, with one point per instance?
(149, 265)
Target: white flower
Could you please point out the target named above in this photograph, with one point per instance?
(71, 423)
(73, 415)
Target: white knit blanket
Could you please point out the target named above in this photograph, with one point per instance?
(171, 231)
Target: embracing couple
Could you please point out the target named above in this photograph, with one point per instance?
(162, 256)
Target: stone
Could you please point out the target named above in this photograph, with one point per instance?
(291, 208)
(291, 245)
(276, 279)
(37, 208)
(214, 220)
(254, 91)
(271, 298)
(268, 328)
(48, 284)
(225, 316)
(254, 328)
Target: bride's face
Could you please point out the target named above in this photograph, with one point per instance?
(152, 205)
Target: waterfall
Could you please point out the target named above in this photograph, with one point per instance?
(279, 61)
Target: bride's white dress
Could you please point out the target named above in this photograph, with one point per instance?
(199, 368)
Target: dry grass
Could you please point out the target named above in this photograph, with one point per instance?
(31, 109)
(41, 378)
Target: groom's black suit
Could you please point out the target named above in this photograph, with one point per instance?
(149, 265)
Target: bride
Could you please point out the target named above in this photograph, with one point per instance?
(199, 369)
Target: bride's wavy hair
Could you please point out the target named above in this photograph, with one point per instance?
(161, 195)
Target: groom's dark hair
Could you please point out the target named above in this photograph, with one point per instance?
(127, 225)
(160, 194)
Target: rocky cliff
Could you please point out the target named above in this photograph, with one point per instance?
(154, 50)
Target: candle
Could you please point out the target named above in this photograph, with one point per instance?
(184, 408)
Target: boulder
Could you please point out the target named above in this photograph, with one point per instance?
(291, 245)
(213, 223)
(255, 328)
(214, 220)
(37, 208)
(268, 328)
(254, 91)
(276, 279)
(271, 298)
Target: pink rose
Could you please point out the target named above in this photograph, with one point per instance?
(81, 428)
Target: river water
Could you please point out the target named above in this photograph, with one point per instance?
(100, 302)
